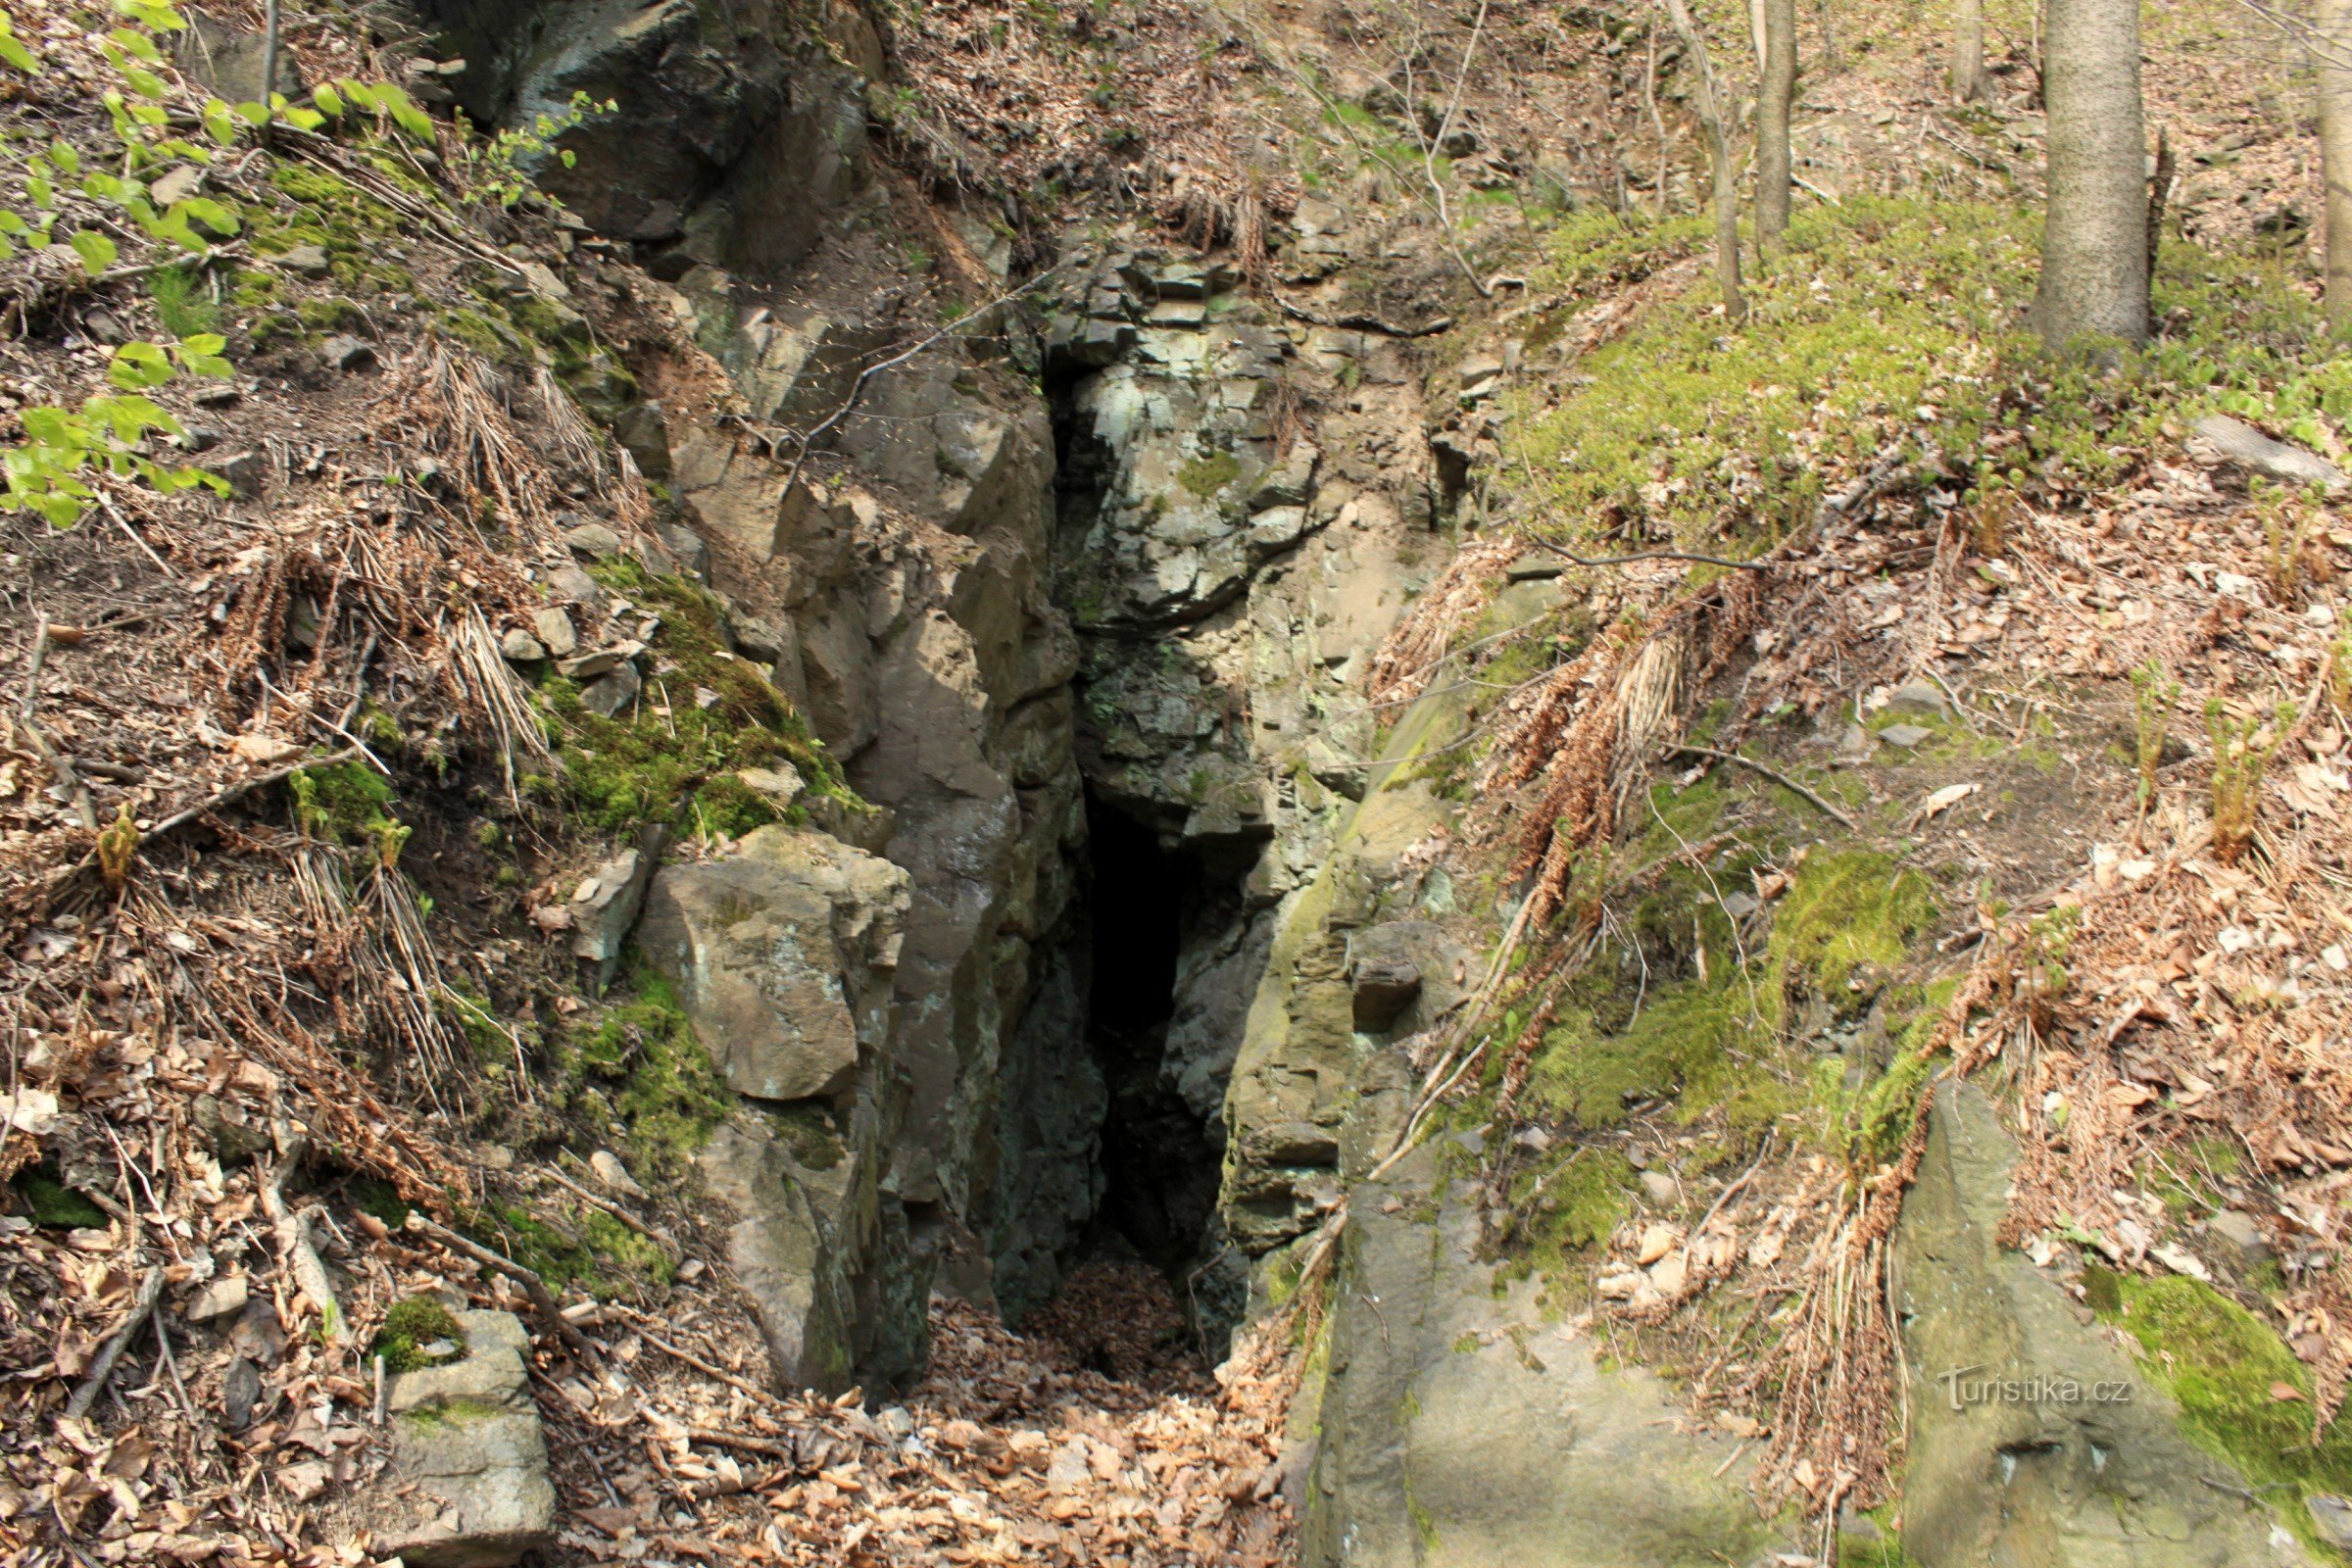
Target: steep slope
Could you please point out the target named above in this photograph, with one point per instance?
(1155, 673)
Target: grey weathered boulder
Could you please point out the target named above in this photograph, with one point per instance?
(804, 1219)
(468, 1486)
(783, 954)
(2043, 1480)
(607, 902)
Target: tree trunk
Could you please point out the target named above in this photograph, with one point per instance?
(1758, 30)
(1718, 152)
(2335, 59)
(1968, 53)
(2095, 249)
(1773, 107)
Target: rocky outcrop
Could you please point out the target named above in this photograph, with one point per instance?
(733, 133)
(783, 953)
(467, 1484)
(1462, 1425)
(2104, 1477)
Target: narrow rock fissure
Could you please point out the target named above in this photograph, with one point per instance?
(1158, 1164)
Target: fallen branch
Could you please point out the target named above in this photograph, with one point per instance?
(607, 1206)
(237, 792)
(543, 1299)
(57, 760)
(294, 1241)
(1566, 554)
(769, 1448)
(1772, 774)
(151, 1290)
(1358, 321)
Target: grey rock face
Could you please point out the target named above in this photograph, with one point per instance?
(782, 953)
(468, 1486)
(2091, 1481)
(1462, 1430)
(606, 902)
(729, 137)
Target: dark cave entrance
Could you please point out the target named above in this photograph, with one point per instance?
(1160, 1170)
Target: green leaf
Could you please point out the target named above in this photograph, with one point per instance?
(218, 217)
(253, 114)
(360, 93)
(105, 187)
(405, 113)
(97, 252)
(146, 84)
(136, 365)
(48, 427)
(43, 194)
(137, 44)
(330, 104)
(220, 122)
(302, 119)
(203, 343)
(132, 417)
(151, 114)
(17, 54)
(11, 224)
(63, 155)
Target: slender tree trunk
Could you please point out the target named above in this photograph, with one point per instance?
(1968, 53)
(1759, 29)
(2335, 59)
(2094, 250)
(1773, 108)
(1657, 120)
(1718, 152)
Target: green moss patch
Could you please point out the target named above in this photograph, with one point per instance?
(413, 1324)
(2220, 1362)
(1205, 475)
(348, 804)
(52, 1204)
(1843, 912)
(1889, 321)
(641, 1060)
(642, 765)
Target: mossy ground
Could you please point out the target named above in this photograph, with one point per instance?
(2221, 1363)
(677, 768)
(1890, 321)
(637, 1074)
(51, 1202)
(411, 1324)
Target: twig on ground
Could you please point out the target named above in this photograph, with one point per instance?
(57, 760)
(543, 1299)
(151, 1290)
(1772, 774)
(1358, 321)
(764, 1396)
(857, 387)
(237, 792)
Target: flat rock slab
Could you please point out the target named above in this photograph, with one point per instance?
(468, 1486)
(2249, 448)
